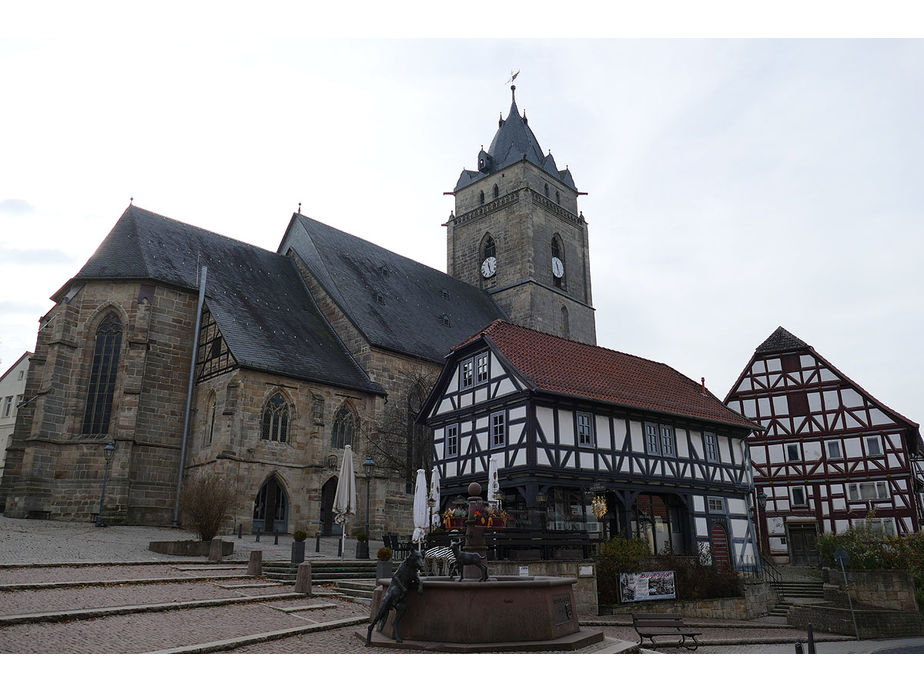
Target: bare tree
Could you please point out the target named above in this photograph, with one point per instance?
(205, 500)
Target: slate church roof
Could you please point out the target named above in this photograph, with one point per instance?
(257, 297)
(514, 141)
(397, 303)
(564, 367)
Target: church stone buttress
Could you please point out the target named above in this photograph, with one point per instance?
(516, 232)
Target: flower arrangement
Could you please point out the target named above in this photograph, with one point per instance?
(491, 516)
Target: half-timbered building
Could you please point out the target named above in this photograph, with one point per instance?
(566, 421)
(828, 455)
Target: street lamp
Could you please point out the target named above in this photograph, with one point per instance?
(108, 452)
(368, 469)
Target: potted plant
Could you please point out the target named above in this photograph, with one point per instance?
(362, 545)
(298, 546)
(383, 566)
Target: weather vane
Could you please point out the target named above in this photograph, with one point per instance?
(513, 76)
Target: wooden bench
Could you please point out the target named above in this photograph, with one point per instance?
(654, 625)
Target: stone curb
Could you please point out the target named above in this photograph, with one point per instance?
(234, 643)
(699, 624)
(82, 614)
(14, 587)
(87, 564)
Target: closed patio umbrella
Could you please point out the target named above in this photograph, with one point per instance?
(435, 496)
(493, 481)
(421, 511)
(345, 495)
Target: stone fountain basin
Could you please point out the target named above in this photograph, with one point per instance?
(502, 609)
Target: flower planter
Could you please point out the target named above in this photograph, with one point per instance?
(298, 552)
(362, 549)
(384, 569)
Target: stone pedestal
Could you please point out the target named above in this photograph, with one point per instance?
(303, 579)
(215, 550)
(255, 564)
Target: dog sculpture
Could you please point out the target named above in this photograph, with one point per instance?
(405, 577)
(464, 558)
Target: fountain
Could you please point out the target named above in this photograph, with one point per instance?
(502, 614)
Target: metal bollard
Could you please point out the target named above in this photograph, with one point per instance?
(240, 531)
(317, 543)
(811, 639)
(258, 535)
(799, 647)
(276, 538)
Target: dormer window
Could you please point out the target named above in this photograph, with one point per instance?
(445, 320)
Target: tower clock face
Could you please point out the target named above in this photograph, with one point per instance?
(488, 267)
(558, 268)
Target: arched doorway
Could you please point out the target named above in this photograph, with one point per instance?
(718, 540)
(271, 508)
(328, 491)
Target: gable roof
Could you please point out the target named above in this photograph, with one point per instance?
(782, 341)
(395, 302)
(561, 366)
(514, 141)
(257, 297)
(26, 355)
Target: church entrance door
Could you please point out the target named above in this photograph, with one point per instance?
(271, 508)
(328, 491)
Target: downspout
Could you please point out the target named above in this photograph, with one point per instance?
(189, 393)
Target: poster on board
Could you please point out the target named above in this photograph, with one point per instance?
(640, 587)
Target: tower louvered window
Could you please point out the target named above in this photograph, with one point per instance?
(275, 419)
(103, 373)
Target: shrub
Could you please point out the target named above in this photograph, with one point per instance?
(361, 536)
(206, 499)
(618, 555)
(384, 553)
(299, 535)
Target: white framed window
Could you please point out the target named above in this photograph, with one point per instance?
(798, 498)
(451, 441)
(651, 439)
(873, 446)
(792, 452)
(879, 525)
(498, 430)
(585, 430)
(481, 367)
(715, 504)
(467, 374)
(868, 490)
(835, 451)
(712, 447)
(667, 441)
(7, 406)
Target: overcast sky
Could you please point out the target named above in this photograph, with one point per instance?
(732, 185)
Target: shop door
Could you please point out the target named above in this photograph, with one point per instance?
(718, 538)
(803, 544)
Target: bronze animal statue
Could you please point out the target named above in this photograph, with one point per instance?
(464, 558)
(405, 578)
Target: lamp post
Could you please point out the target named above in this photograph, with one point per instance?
(762, 504)
(368, 469)
(108, 452)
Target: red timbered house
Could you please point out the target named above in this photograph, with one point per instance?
(829, 455)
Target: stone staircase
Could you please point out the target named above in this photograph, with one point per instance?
(352, 580)
(797, 588)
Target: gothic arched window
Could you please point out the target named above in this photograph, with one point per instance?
(496, 191)
(488, 248)
(103, 376)
(210, 419)
(558, 263)
(343, 427)
(275, 419)
(481, 197)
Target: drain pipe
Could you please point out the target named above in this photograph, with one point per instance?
(189, 393)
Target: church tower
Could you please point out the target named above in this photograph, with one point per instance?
(516, 232)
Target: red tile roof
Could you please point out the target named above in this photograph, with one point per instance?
(558, 365)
